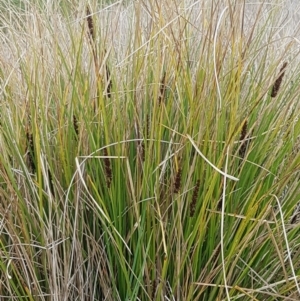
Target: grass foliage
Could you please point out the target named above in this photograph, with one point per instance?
(149, 151)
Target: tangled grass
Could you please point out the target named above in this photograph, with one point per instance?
(149, 151)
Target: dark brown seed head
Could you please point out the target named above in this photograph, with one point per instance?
(177, 182)
(162, 89)
(278, 81)
(294, 219)
(216, 253)
(90, 23)
(154, 286)
(107, 168)
(109, 82)
(142, 150)
(75, 125)
(220, 202)
(30, 152)
(50, 179)
(243, 146)
(244, 131)
(194, 198)
(147, 126)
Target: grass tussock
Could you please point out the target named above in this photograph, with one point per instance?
(143, 155)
